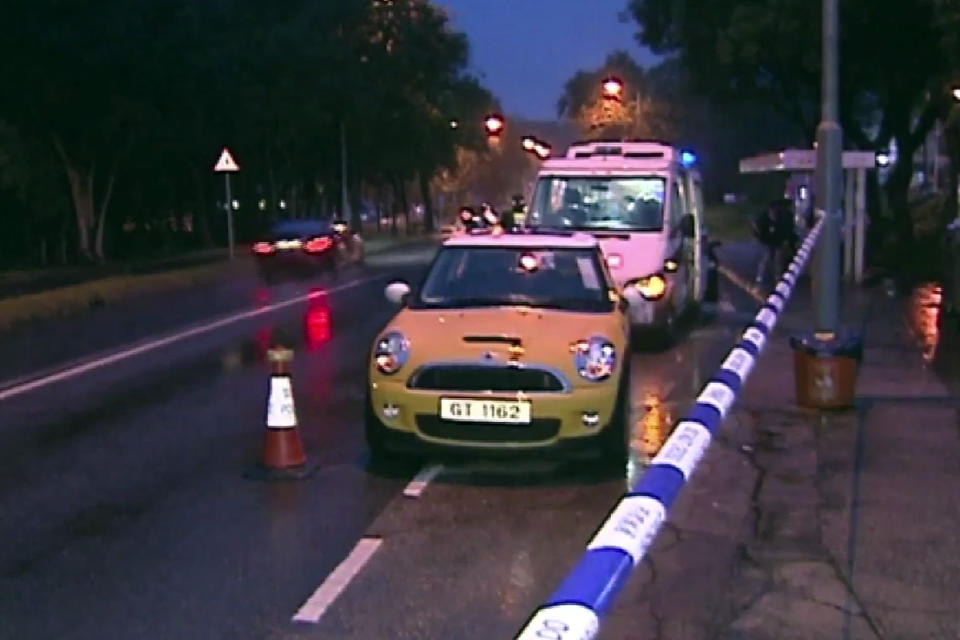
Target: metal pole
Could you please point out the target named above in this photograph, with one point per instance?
(344, 195)
(829, 183)
(229, 205)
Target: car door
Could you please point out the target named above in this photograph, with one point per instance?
(683, 252)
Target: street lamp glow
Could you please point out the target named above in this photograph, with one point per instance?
(883, 159)
(235, 204)
(262, 205)
(283, 204)
(956, 93)
(612, 87)
(529, 143)
(454, 124)
(494, 124)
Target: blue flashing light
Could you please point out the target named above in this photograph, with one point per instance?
(687, 158)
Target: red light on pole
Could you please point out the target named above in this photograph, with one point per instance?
(612, 88)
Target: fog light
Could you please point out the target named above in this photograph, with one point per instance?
(590, 418)
(390, 411)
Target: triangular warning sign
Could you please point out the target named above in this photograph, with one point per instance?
(226, 162)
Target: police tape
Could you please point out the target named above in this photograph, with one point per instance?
(574, 610)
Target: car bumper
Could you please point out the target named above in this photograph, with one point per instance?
(557, 423)
(295, 260)
(647, 313)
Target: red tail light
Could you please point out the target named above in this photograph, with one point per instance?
(263, 248)
(318, 245)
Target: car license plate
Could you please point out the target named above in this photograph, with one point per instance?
(289, 244)
(499, 411)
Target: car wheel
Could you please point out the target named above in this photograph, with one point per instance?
(615, 439)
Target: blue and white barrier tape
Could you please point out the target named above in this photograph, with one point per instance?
(573, 611)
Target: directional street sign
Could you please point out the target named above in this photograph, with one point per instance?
(226, 163)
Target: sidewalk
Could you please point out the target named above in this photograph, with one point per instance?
(856, 515)
(802, 526)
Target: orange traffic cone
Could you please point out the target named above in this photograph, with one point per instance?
(283, 456)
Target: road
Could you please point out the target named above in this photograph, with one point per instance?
(126, 513)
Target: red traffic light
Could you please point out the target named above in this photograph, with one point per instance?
(612, 88)
(494, 124)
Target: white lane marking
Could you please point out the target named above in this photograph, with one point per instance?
(421, 480)
(318, 603)
(98, 363)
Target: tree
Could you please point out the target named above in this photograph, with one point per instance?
(894, 62)
(177, 80)
(638, 114)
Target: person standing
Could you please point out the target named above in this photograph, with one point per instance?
(775, 231)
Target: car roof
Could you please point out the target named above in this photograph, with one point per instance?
(525, 240)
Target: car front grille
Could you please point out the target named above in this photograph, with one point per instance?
(466, 377)
(539, 430)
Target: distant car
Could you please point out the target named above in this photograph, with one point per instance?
(308, 247)
(511, 343)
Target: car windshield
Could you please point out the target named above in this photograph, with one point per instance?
(599, 203)
(299, 229)
(556, 278)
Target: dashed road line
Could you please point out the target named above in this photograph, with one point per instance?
(71, 372)
(419, 483)
(335, 584)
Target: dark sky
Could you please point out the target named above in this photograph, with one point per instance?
(525, 50)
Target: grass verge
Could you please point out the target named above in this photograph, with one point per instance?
(730, 222)
(103, 291)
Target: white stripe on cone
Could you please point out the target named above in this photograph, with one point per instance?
(281, 413)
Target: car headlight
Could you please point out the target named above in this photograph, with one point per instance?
(652, 287)
(391, 352)
(595, 358)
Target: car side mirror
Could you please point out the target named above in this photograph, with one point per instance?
(397, 292)
(688, 225)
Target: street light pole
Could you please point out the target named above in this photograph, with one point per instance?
(829, 180)
(344, 195)
(229, 206)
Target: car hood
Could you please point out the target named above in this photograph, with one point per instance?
(488, 334)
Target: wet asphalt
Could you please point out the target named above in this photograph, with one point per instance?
(125, 513)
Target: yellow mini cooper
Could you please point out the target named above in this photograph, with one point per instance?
(510, 343)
